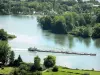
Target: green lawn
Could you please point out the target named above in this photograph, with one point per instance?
(71, 72)
(6, 70)
(61, 71)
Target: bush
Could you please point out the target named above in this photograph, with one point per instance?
(82, 31)
(37, 73)
(33, 68)
(23, 67)
(16, 63)
(86, 74)
(49, 61)
(96, 31)
(55, 69)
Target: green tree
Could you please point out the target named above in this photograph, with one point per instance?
(96, 31)
(11, 58)
(98, 18)
(37, 62)
(80, 1)
(55, 69)
(4, 52)
(3, 35)
(49, 61)
(16, 63)
(20, 59)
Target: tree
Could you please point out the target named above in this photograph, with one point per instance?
(96, 31)
(49, 61)
(20, 59)
(4, 52)
(98, 18)
(3, 35)
(11, 58)
(16, 63)
(37, 62)
(80, 1)
(59, 25)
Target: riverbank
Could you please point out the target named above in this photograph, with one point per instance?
(62, 71)
(65, 71)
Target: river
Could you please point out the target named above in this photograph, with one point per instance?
(29, 34)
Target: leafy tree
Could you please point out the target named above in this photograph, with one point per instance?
(59, 25)
(49, 61)
(4, 52)
(96, 31)
(98, 18)
(37, 62)
(3, 35)
(36, 66)
(80, 1)
(11, 58)
(37, 73)
(87, 18)
(16, 63)
(20, 59)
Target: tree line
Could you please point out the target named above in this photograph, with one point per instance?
(7, 58)
(44, 7)
(83, 20)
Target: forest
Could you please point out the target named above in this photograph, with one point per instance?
(81, 19)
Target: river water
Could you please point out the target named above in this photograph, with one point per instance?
(29, 34)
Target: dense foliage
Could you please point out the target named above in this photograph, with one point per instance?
(96, 31)
(11, 58)
(49, 61)
(17, 61)
(4, 52)
(48, 7)
(34, 68)
(80, 20)
(4, 36)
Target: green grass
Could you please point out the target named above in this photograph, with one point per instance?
(71, 72)
(6, 70)
(62, 71)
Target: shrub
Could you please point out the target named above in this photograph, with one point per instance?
(86, 74)
(55, 69)
(37, 73)
(96, 31)
(49, 61)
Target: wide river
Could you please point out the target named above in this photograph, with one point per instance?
(29, 34)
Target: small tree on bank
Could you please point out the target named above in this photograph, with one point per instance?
(37, 62)
(4, 52)
(20, 59)
(36, 66)
(11, 58)
(49, 61)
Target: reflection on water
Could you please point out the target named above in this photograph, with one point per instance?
(87, 41)
(97, 43)
(29, 34)
(70, 41)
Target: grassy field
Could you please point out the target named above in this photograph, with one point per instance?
(71, 72)
(6, 70)
(62, 71)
